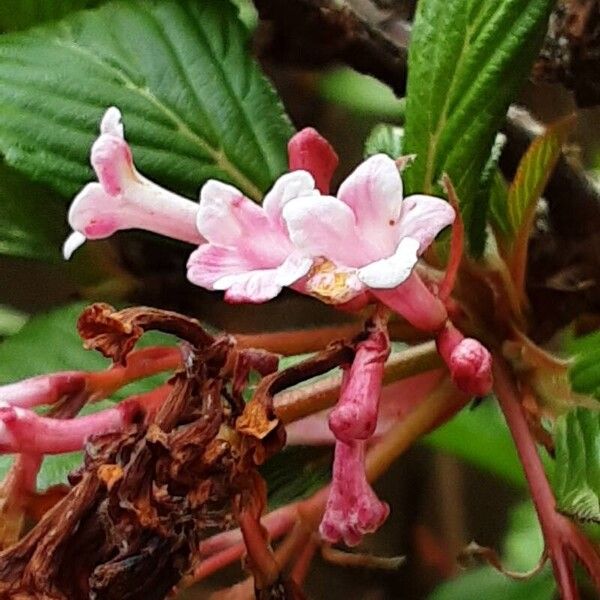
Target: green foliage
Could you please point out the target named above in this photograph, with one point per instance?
(11, 320)
(32, 218)
(533, 173)
(577, 475)
(361, 94)
(584, 370)
(385, 138)
(466, 62)
(522, 546)
(479, 436)
(49, 342)
(20, 14)
(296, 473)
(195, 105)
(498, 206)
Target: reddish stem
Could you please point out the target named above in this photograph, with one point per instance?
(560, 534)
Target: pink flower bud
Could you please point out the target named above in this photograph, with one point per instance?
(355, 416)
(469, 362)
(22, 430)
(353, 508)
(309, 151)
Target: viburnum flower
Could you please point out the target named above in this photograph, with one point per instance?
(124, 199)
(370, 238)
(249, 254)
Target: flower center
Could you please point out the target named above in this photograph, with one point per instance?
(332, 284)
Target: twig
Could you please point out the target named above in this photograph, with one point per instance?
(560, 535)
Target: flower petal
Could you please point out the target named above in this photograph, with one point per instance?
(310, 151)
(374, 193)
(253, 286)
(423, 217)
(112, 122)
(224, 268)
(295, 266)
(210, 262)
(72, 243)
(389, 273)
(286, 188)
(94, 213)
(324, 226)
(225, 214)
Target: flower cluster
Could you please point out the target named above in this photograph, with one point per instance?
(352, 249)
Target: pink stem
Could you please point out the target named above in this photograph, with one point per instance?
(219, 561)
(44, 389)
(552, 523)
(24, 431)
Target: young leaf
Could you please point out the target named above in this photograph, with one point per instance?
(466, 62)
(20, 14)
(195, 104)
(577, 475)
(32, 218)
(531, 177)
(498, 206)
(387, 139)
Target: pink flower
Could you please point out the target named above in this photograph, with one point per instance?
(353, 508)
(124, 199)
(469, 362)
(355, 415)
(370, 238)
(249, 253)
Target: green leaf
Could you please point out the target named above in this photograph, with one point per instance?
(486, 582)
(387, 139)
(32, 218)
(361, 94)
(11, 320)
(577, 475)
(522, 547)
(532, 174)
(498, 206)
(466, 63)
(296, 473)
(194, 103)
(20, 14)
(480, 436)
(49, 342)
(584, 370)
